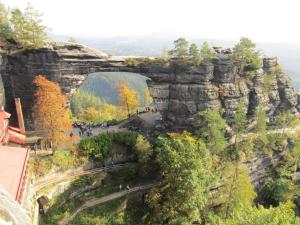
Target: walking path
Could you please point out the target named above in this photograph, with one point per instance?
(96, 201)
(71, 175)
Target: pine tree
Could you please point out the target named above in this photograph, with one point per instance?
(245, 54)
(195, 54)
(261, 126)
(181, 48)
(27, 29)
(237, 190)
(207, 53)
(187, 174)
(36, 31)
(212, 129)
(5, 29)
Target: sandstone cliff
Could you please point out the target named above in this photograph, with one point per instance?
(179, 92)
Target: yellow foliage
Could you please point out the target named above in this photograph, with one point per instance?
(147, 96)
(106, 113)
(128, 98)
(50, 112)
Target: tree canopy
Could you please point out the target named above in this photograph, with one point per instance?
(212, 129)
(244, 52)
(50, 112)
(207, 52)
(181, 48)
(25, 28)
(186, 170)
(128, 98)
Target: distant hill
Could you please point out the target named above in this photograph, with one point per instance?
(103, 85)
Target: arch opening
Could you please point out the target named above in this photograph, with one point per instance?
(112, 97)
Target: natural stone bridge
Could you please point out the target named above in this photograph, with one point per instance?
(179, 94)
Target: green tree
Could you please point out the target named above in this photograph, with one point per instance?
(212, 129)
(195, 54)
(237, 190)
(282, 215)
(181, 48)
(286, 120)
(36, 31)
(27, 29)
(244, 53)
(144, 151)
(276, 191)
(207, 53)
(261, 126)
(187, 175)
(5, 28)
(83, 100)
(240, 119)
(239, 127)
(19, 32)
(295, 153)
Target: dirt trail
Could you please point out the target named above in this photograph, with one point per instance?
(96, 201)
(71, 175)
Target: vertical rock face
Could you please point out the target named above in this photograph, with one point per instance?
(221, 85)
(179, 91)
(2, 71)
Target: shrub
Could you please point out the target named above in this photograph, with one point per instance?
(63, 159)
(275, 192)
(126, 138)
(96, 147)
(83, 181)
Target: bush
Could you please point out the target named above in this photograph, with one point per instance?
(126, 138)
(40, 166)
(63, 159)
(275, 192)
(96, 147)
(83, 181)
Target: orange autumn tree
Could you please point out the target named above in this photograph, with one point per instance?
(128, 98)
(50, 112)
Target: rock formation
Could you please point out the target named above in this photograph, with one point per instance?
(10, 211)
(179, 91)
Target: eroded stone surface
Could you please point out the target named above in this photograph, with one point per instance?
(179, 91)
(10, 211)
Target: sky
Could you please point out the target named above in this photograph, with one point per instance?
(260, 20)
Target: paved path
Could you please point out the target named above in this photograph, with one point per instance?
(96, 201)
(71, 175)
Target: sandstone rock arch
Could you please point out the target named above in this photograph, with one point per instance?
(178, 94)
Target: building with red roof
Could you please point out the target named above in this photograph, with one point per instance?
(13, 159)
(13, 170)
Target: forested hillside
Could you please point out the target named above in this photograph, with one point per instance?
(103, 85)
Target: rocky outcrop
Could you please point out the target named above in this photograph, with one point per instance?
(10, 211)
(2, 71)
(179, 91)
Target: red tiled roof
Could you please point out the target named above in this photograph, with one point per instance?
(13, 162)
(15, 136)
(4, 114)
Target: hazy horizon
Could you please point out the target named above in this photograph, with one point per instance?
(262, 21)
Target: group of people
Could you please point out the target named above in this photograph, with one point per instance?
(86, 129)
